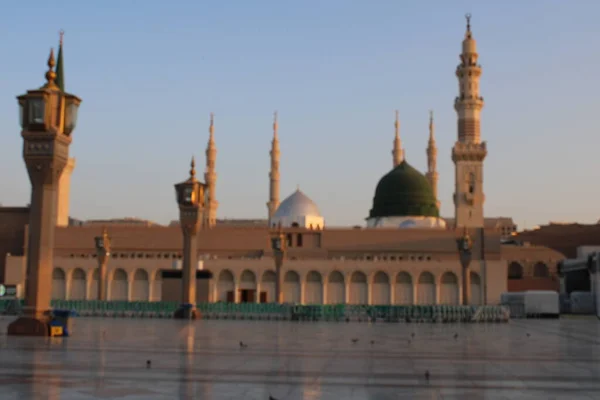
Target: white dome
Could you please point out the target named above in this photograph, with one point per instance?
(297, 205)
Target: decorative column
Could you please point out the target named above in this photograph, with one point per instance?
(465, 247)
(432, 174)
(190, 198)
(103, 254)
(47, 117)
(278, 246)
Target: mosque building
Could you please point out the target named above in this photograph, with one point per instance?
(406, 253)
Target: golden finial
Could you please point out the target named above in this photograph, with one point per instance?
(275, 124)
(193, 168)
(431, 138)
(397, 122)
(51, 75)
(468, 17)
(61, 34)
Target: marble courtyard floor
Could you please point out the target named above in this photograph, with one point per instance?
(106, 359)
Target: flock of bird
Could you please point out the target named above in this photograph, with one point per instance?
(353, 340)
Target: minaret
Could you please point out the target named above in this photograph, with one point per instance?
(63, 192)
(432, 175)
(469, 151)
(397, 152)
(274, 173)
(210, 177)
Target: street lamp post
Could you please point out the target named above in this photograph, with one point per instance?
(103, 253)
(190, 198)
(465, 247)
(48, 117)
(278, 246)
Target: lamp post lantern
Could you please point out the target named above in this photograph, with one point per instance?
(102, 244)
(278, 246)
(190, 198)
(48, 118)
(465, 247)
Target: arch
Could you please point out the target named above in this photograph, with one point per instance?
(226, 286)
(540, 270)
(141, 285)
(449, 288)
(313, 289)
(403, 289)
(336, 290)
(359, 289)
(118, 285)
(92, 291)
(247, 287)
(515, 270)
(426, 288)
(291, 287)
(381, 289)
(78, 285)
(476, 292)
(59, 284)
(267, 285)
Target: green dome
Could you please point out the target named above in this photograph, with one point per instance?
(404, 192)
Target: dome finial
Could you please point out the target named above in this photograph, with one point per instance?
(211, 128)
(193, 168)
(275, 124)
(50, 75)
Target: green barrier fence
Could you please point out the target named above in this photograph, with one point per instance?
(334, 312)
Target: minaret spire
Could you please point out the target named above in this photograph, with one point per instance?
(273, 202)
(210, 177)
(432, 174)
(60, 73)
(397, 152)
(469, 151)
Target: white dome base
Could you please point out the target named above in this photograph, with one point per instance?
(406, 222)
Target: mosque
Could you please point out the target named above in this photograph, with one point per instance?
(406, 253)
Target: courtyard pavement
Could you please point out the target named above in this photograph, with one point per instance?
(106, 359)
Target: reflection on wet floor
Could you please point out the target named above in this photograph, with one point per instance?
(167, 359)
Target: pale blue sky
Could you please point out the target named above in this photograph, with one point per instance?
(150, 72)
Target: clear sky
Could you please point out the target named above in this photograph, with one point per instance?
(150, 72)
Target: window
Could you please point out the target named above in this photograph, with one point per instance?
(471, 183)
(299, 240)
(290, 242)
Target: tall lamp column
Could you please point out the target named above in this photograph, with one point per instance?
(190, 198)
(279, 247)
(465, 252)
(47, 117)
(103, 253)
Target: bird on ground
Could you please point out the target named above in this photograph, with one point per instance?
(456, 336)
(408, 341)
(528, 334)
(354, 340)
(412, 335)
(372, 342)
(427, 375)
(243, 345)
(148, 363)
(272, 398)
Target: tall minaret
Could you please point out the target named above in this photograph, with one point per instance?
(432, 175)
(63, 193)
(274, 173)
(469, 151)
(397, 152)
(210, 177)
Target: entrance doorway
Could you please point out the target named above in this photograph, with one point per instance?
(247, 296)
